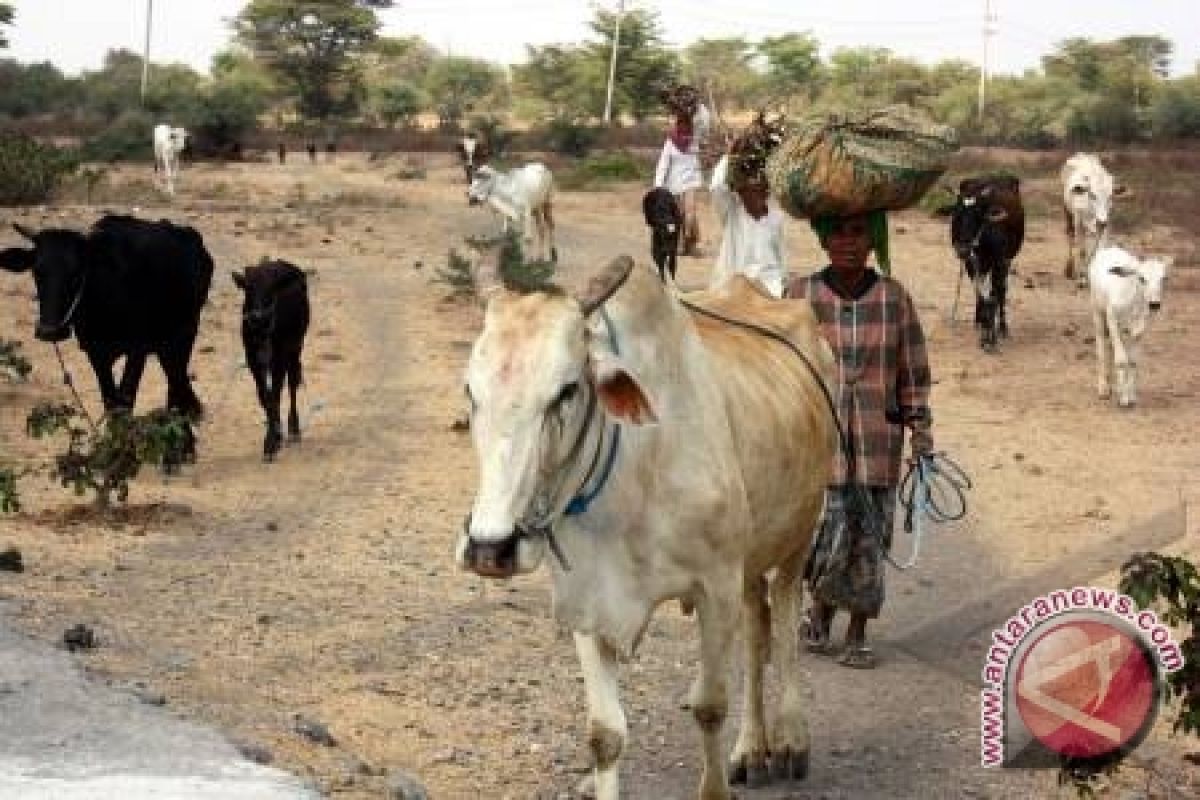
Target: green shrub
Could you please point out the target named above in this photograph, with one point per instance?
(491, 129)
(30, 171)
(571, 138)
(599, 171)
(104, 459)
(458, 275)
(10, 501)
(128, 138)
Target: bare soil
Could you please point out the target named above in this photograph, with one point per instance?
(322, 585)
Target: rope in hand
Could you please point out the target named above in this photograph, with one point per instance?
(933, 488)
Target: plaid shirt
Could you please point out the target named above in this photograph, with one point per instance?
(880, 349)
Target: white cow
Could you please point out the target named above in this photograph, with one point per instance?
(1088, 191)
(523, 197)
(658, 454)
(168, 144)
(1125, 293)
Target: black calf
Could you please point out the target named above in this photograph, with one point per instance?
(666, 222)
(275, 318)
(987, 230)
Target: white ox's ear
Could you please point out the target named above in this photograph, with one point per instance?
(621, 394)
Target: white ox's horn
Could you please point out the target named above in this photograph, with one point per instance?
(604, 284)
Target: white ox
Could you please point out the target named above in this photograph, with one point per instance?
(1125, 292)
(523, 197)
(168, 144)
(700, 453)
(468, 146)
(1088, 191)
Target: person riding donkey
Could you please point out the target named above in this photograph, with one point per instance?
(883, 387)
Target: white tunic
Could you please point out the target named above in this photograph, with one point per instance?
(679, 171)
(752, 247)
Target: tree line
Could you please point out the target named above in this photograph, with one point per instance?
(316, 66)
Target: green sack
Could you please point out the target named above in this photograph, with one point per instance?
(848, 164)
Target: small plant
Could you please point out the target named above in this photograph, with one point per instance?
(30, 171)
(571, 138)
(12, 364)
(1172, 585)
(520, 275)
(105, 459)
(10, 501)
(458, 275)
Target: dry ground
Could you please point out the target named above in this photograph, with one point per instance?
(323, 584)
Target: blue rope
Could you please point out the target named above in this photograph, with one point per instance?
(581, 502)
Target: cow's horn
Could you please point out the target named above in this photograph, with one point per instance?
(604, 284)
(21, 229)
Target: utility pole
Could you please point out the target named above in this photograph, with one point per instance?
(146, 52)
(612, 62)
(989, 30)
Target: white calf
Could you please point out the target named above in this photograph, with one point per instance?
(168, 144)
(523, 197)
(1125, 292)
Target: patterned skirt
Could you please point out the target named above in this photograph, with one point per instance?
(846, 567)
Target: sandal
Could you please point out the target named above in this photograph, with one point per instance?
(858, 657)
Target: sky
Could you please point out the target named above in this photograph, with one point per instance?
(75, 34)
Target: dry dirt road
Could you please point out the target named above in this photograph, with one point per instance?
(323, 584)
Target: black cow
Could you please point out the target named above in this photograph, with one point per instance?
(987, 229)
(128, 288)
(665, 219)
(275, 317)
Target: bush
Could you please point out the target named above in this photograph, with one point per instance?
(30, 171)
(128, 138)
(105, 459)
(570, 138)
(10, 501)
(495, 136)
(458, 275)
(599, 171)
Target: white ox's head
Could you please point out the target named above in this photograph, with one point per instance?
(1088, 192)
(1153, 274)
(178, 138)
(483, 183)
(538, 386)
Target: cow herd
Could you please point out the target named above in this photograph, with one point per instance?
(988, 227)
(131, 288)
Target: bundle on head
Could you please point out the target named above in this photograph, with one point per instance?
(842, 165)
(749, 151)
(681, 99)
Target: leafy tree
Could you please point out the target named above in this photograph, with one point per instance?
(457, 85)
(40, 88)
(563, 82)
(793, 64)
(644, 64)
(397, 104)
(725, 67)
(6, 18)
(116, 86)
(312, 48)
(1176, 115)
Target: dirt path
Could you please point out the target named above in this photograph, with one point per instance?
(323, 584)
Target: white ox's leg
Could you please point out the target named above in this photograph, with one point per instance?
(790, 741)
(748, 763)
(718, 609)
(607, 729)
(1103, 354)
(1122, 362)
